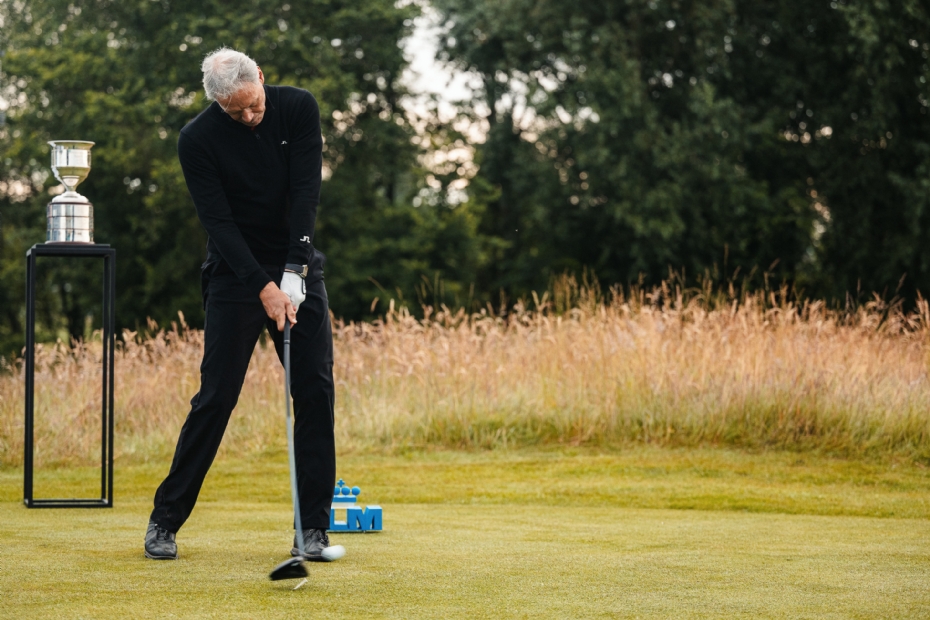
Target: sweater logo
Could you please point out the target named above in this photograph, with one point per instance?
(283, 142)
(305, 239)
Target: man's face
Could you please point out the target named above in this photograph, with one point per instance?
(247, 105)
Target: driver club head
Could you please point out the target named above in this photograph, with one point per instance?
(289, 569)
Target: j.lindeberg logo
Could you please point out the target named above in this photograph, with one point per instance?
(283, 142)
(305, 239)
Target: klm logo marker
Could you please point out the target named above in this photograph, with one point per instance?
(357, 519)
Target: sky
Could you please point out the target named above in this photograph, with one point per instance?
(425, 75)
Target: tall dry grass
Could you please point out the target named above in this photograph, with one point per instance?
(753, 370)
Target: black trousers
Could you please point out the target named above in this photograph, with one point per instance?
(234, 321)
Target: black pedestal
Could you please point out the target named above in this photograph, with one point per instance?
(76, 251)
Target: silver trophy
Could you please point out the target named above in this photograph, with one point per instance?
(70, 215)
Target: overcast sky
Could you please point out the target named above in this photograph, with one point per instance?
(425, 75)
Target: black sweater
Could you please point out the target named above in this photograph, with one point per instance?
(256, 190)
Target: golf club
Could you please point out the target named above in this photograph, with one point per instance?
(294, 567)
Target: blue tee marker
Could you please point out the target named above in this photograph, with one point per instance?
(357, 519)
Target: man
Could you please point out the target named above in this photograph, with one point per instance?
(252, 163)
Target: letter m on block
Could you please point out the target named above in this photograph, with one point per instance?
(369, 520)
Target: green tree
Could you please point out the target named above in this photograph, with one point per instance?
(635, 136)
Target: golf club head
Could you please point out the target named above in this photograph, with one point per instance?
(289, 569)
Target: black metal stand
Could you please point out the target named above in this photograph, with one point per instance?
(73, 250)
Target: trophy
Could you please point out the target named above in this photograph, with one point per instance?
(70, 215)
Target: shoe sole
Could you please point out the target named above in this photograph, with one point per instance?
(160, 557)
(310, 558)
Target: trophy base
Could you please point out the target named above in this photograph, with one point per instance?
(70, 219)
(74, 238)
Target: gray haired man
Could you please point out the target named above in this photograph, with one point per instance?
(252, 163)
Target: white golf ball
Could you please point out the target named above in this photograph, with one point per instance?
(333, 553)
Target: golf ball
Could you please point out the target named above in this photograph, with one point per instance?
(333, 553)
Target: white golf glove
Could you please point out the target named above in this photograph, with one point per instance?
(294, 287)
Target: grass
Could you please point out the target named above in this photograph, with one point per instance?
(666, 368)
(566, 533)
(671, 454)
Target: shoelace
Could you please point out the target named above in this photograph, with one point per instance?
(161, 534)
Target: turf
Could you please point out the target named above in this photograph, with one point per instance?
(562, 534)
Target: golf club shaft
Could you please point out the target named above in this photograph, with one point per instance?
(299, 531)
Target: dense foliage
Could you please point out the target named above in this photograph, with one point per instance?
(629, 137)
(637, 135)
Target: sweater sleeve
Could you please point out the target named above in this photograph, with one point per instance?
(306, 157)
(205, 186)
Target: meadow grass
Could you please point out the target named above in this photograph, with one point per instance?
(668, 454)
(577, 368)
(515, 533)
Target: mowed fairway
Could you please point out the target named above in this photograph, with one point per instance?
(556, 534)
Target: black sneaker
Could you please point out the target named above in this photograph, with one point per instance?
(159, 543)
(314, 543)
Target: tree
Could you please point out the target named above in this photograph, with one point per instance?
(633, 137)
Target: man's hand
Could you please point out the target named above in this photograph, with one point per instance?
(294, 287)
(278, 305)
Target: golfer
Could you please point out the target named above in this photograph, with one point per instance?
(252, 163)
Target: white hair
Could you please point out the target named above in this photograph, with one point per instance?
(225, 71)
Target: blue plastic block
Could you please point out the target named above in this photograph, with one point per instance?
(370, 519)
(357, 519)
(340, 526)
(354, 516)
